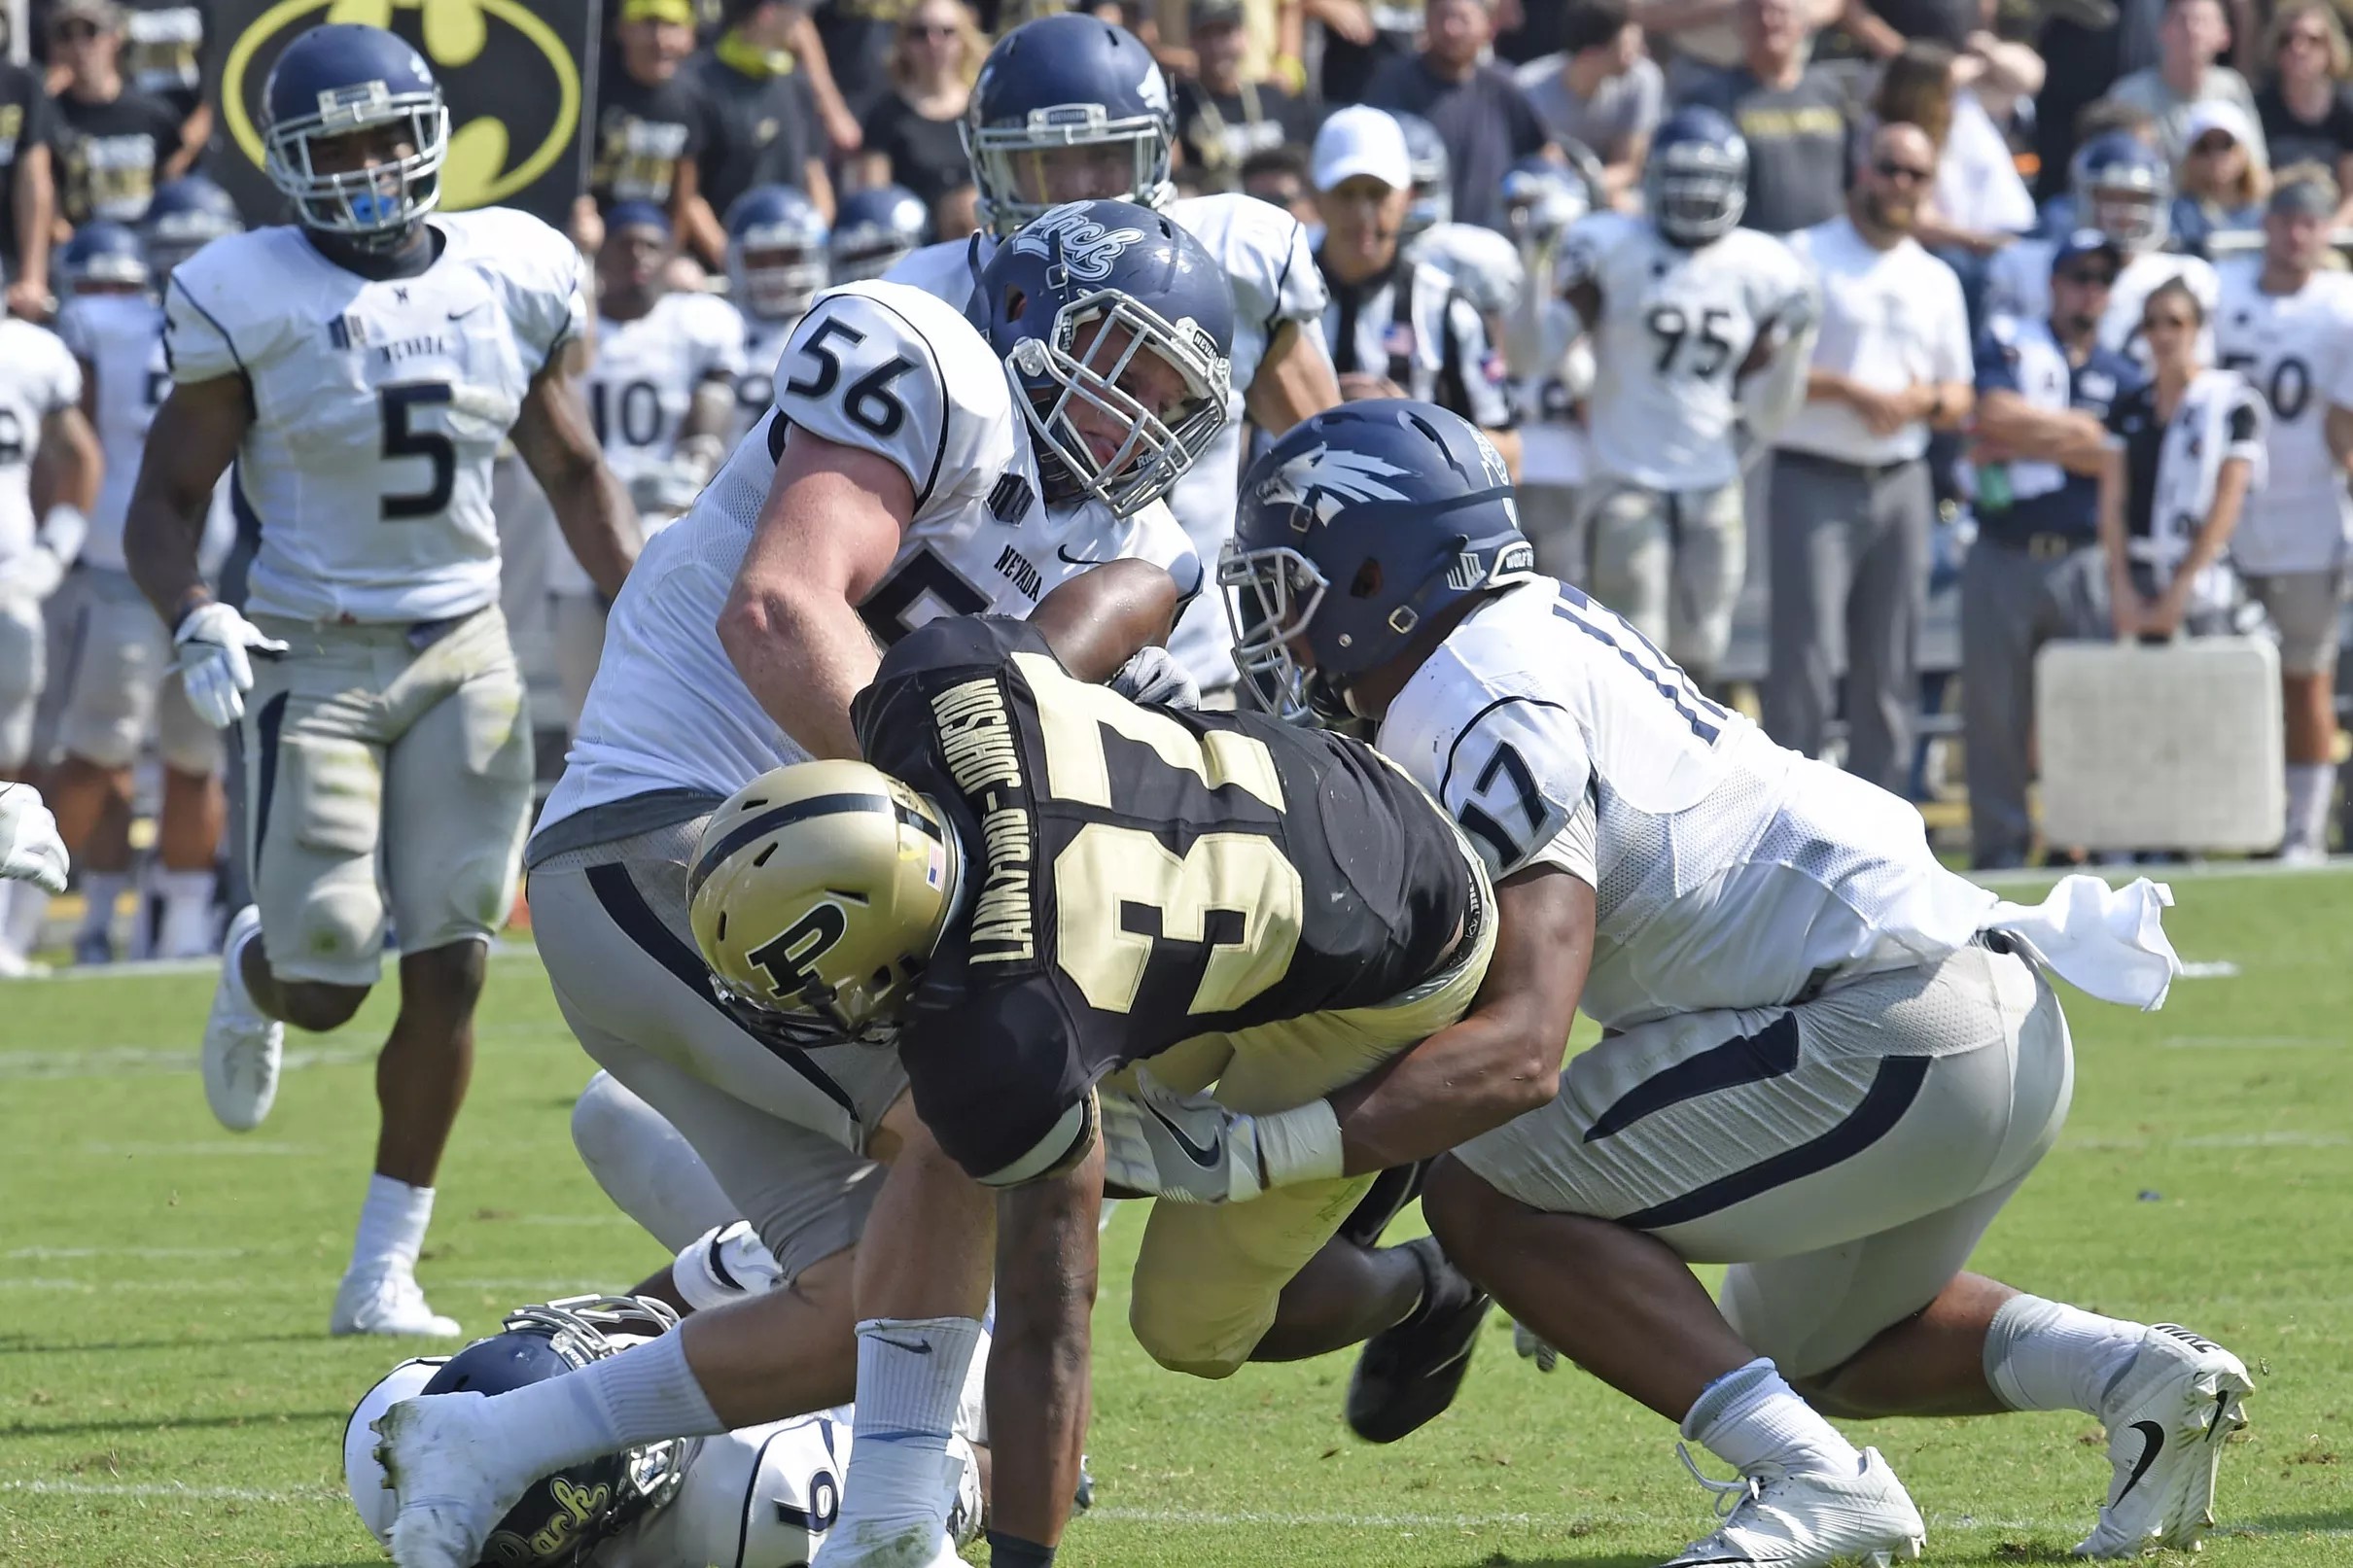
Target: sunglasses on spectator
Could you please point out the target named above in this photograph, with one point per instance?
(929, 29)
(2169, 323)
(2088, 277)
(2314, 37)
(2213, 142)
(1890, 169)
(74, 32)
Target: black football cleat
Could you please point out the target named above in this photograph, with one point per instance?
(1408, 1375)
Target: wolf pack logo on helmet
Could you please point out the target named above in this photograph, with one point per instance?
(1083, 245)
(1322, 480)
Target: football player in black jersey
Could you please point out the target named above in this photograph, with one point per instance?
(1045, 887)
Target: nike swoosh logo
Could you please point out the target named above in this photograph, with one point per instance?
(1064, 550)
(2155, 1434)
(919, 1348)
(468, 310)
(1205, 1158)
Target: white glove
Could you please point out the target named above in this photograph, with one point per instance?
(30, 850)
(36, 574)
(215, 667)
(1190, 1149)
(1155, 676)
(1533, 1350)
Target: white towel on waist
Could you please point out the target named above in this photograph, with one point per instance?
(2108, 941)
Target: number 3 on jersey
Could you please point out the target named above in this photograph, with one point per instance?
(1235, 894)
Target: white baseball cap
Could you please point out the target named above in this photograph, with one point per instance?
(1358, 140)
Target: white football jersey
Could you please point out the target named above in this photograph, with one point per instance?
(118, 339)
(1273, 270)
(2017, 283)
(38, 376)
(756, 384)
(378, 407)
(2297, 351)
(1728, 872)
(1483, 264)
(888, 369)
(1675, 328)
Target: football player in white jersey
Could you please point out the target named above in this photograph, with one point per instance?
(776, 264)
(1826, 1061)
(2122, 188)
(911, 468)
(2286, 324)
(362, 366)
(758, 1497)
(41, 421)
(30, 850)
(662, 384)
(126, 688)
(1690, 314)
(1069, 109)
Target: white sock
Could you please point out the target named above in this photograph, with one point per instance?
(392, 1224)
(27, 908)
(101, 892)
(2310, 785)
(2049, 1357)
(186, 913)
(1750, 1418)
(910, 1383)
(645, 1394)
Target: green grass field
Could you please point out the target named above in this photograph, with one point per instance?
(168, 1394)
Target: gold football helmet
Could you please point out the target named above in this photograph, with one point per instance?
(820, 892)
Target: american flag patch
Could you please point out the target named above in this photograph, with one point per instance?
(1398, 341)
(1495, 370)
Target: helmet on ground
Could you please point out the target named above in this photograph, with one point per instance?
(1355, 528)
(1695, 182)
(343, 78)
(185, 216)
(1069, 303)
(819, 893)
(875, 230)
(776, 251)
(1067, 80)
(563, 1517)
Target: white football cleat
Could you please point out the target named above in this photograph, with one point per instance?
(2168, 1418)
(242, 1045)
(451, 1483)
(385, 1299)
(1790, 1521)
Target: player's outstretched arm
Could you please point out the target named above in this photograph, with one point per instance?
(1038, 1384)
(1295, 379)
(591, 506)
(829, 529)
(1501, 1060)
(188, 447)
(1097, 621)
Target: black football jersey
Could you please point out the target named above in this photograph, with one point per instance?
(1135, 877)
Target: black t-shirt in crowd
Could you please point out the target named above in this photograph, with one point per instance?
(111, 156)
(2297, 141)
(27, 119)
(1349, 68)
(857, 35)
(1026, 1005)
(642, 133)
(927, 156)
(1220, 131)
(1797, 146)
(1486, 120)
(763, 129)
(166, 49)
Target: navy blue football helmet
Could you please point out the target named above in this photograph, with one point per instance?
(1058, 82)
(776, 251)
(1355, 529)
(875, 230)
(1433, 174)
(1695, 182)
(565, 1516)
(1069, 303)
(338, 78)
(1541, 198)
(185, 216)
(2123, 188)
(102, 255)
